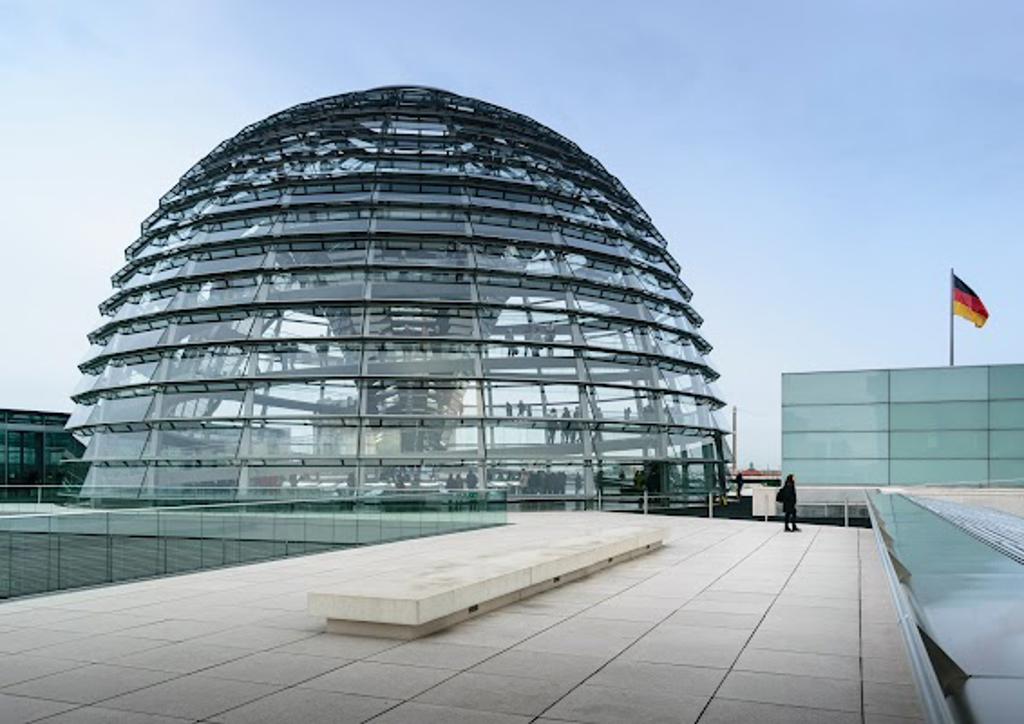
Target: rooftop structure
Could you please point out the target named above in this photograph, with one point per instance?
(924, 426)
(397, 288)
(729, 621)
(33, 444)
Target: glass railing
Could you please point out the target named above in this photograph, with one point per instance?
(71, 547)
(962, 592)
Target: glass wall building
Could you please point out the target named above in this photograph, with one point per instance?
(397, 288)
(938, 426)
(32, 447)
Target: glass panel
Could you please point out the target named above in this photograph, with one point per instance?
(420, 322)
(116, 445)
(298, 440)
(930, 385)
(198, 443)
(420, 286)
(340, 254)
(838, 472)
(306, 399)
(199, 404)
(1006, 414)
(309, 360)
(940, 416)
(1006, 382)
(494, 293)
(623, 403)
(217, 293)
(498, 363)
(200, 483)
(1007, 443)
(835, 445)
(126, 342)
(206, 363)
(214, 331)
(1006, 472)
(118, 480)
(940, 444)
(119, 374)
(121, 409)
(432, 440)
(822, 388)
(385, 397)
(312, 323)
(444, 477)
(606, 333)
(79, 416)
(421, 360)
(537, 440)
(629, 444)
(939, 472)
(835, 418)
(271, 480)
(326, 285)
(418, 253)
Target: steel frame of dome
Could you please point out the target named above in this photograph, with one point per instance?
(401, 287)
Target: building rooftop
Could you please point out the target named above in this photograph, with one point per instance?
(729, 621)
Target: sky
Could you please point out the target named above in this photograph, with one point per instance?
(817, 167)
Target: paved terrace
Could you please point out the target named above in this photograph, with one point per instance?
(731, 621)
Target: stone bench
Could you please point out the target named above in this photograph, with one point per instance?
(423, 596)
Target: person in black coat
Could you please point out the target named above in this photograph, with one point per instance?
(787, 496)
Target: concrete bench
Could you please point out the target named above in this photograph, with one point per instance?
(424, 596)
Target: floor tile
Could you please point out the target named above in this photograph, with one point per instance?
(501, 694)
(799, 663)
(274, 667)
(175, 630)
(194, 696)
(540, 665)
(305, 706)
(88, 684)
(20, 709)
(603, 705)
(103, 648)
(15, 668)
(338, 646)
(183, 658)
(372, 678)
(789, 690)
(651, 678)
(32, 639)
(441, 656)
(729, 711)
(413, 712)
(891, 699)
(99, 715)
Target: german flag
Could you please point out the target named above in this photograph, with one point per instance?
(967, 304)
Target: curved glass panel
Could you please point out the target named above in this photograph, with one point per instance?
(345, 296)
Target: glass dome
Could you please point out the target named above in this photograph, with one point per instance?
(397, 288)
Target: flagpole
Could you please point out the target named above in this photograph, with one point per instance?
(949, 301)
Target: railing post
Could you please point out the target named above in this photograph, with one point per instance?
(846, 513)
(599, 499)
(711, 504)
(645, 501)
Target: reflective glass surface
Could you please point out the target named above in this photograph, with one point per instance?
(943, 426)
(400, 279)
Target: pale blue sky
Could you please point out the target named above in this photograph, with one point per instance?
(817, 166)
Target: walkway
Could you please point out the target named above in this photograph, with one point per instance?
(731, 621)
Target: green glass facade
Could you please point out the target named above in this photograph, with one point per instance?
(32, 447)
(924, 426)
